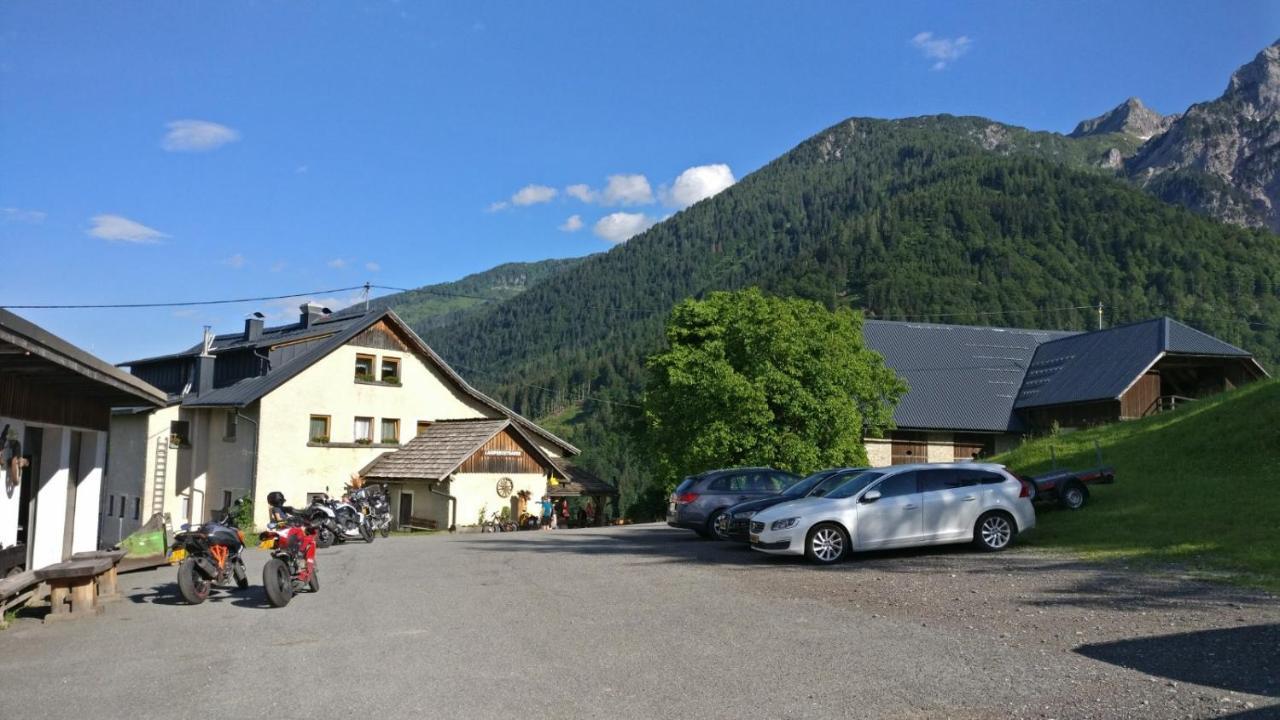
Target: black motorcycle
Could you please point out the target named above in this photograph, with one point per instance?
(210, 555)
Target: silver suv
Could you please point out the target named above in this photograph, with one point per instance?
(700, 500)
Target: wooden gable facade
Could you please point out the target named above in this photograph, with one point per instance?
(505, 454)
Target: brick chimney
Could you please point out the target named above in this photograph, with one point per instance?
(253, 328)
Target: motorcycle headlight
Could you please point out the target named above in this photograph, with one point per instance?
(784, 524)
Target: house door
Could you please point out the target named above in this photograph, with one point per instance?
(406, 509)
(32, 445)
(73, 482)
(909, 449)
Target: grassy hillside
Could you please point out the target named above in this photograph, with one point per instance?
(1199, 487)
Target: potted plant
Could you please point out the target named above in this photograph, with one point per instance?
(364, 377)
(391, 380)
(364, 441)
(320, 439)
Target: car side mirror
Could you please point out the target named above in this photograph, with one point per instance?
(871, 496)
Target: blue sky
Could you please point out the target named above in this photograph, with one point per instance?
(181, 151)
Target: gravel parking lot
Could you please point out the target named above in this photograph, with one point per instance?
(646, 622)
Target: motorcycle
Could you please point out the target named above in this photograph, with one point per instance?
(209, 555)
(375, 507)
(325, 520)
(351, 522)
(292, 566)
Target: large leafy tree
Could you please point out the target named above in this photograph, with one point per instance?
(749, 379)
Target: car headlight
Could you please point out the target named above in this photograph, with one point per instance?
(784, 524)
(745, 514)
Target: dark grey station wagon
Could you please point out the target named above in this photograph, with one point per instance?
(699, 500)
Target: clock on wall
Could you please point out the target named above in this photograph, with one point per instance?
(504, 487)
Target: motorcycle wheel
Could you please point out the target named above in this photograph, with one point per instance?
(314, 583)
(241, 575)
(191, 584)
(366, 532)
(277, 582)
(324, 538)
(386, 530)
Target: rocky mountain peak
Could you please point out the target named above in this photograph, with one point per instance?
(1257, 84)
(1131, 117)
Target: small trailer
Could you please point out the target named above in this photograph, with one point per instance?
(1070, 488)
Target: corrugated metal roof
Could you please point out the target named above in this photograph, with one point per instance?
(579, 481)
(1102, 364)
(327, 325)
(961, 377)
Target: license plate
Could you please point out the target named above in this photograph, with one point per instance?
(178, 555)
(267, 544)
(755, 538)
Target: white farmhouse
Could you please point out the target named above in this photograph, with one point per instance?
(299, 409)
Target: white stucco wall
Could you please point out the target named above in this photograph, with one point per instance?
(125, 476)
(479, 491)
(93, 455)
(287, 462)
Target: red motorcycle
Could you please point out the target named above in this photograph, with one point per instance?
(292, 566)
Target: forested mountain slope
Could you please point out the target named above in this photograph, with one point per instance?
(955, 219)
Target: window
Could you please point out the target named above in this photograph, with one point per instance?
(364, 367)
(111, 505)
(137, 508)
(229, 432)
(391, 370)
(729, 483)
(935, 480)
(390, 430)
(180, 433)
(853, 484)
(423, 425)
(319, 428)
(226, 499)
(363, 430)
(898, 485)
(185, 514)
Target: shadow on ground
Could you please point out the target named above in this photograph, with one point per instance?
(167, 594)
(1241, 659)
(1067, 582)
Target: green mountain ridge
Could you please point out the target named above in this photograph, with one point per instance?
(957, 219)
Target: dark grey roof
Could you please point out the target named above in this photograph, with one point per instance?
(960, 377)
(441, 447)
(1102, 364)
(73, 365)
(327, 325)
(250, 390)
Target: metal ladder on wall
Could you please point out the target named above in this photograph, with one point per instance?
(159, 474)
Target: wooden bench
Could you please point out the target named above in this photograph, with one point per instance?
(420, 524)
(16, 590)
(108, 587)
(72, 588)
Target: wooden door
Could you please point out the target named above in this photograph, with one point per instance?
(909, 448)
(406, 509)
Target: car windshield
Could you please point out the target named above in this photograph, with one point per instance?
(802, 488)
(833, 481)
(854, 484)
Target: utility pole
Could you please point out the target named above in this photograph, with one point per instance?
(1099, 314)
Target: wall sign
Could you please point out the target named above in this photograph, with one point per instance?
(503, 453)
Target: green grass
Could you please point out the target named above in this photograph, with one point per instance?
(1198, 487)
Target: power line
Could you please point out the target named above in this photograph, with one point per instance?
(186, 303)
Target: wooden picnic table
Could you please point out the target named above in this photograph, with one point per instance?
(72, 586)
(108, 587)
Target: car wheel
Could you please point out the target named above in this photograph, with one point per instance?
(826, 544)
(1073, 496)
(994, 531)
(719, 525)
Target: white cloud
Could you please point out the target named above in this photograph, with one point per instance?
(620, 226)
(582, 192)
(122, 229)
(499, 205)
(573, 224)
(288, 309)
(372, 266)
(235, 261)
(278, 265)
(337, 263)
(627, 190)
(943, 51)
(18, 215)
(697, 183)
(533, 195)
(197, 136)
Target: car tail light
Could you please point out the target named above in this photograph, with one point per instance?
(1025, 492)
(686, 498)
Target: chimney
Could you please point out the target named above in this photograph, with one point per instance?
(311, 312)
(253, 328)
(204, 364)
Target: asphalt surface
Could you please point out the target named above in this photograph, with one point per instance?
(644, 622)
